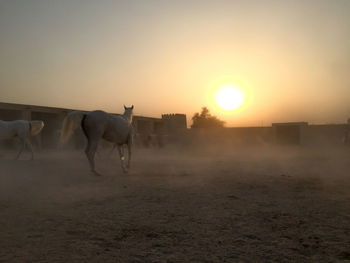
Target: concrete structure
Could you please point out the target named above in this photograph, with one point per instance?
(301, 133)
(289, 133)
(325, 134)
(172, 129)
(148, 125)
(174, 122)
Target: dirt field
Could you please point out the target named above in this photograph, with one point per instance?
(251, 205)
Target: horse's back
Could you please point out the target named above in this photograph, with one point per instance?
(112, 128)
(94, 119)
(97, 118)
(107, 120)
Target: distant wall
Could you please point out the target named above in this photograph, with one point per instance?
(174, 122)
(227, 136)
(9, 115)
(172, 129)
(330, 134)
(303, 135)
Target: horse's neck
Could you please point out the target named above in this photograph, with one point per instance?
(127, 116)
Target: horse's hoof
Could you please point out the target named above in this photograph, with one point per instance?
(96, 173)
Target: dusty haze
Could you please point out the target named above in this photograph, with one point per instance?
(178, 204)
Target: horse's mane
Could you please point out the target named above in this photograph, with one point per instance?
(36, 127)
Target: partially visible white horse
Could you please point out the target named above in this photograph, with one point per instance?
(21, 129)
(99, 124)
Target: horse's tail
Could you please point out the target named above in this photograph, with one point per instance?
(70, 123)
(36, 127)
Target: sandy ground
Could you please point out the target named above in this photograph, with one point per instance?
(251, 205)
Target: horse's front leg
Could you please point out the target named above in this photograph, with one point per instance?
(21, 149)
(90, 152)
(122, 158)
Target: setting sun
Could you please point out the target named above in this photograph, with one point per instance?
(229, 97)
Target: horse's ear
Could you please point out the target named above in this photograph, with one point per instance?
(124, 107)
(132, 107)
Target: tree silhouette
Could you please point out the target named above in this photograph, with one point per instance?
(206, 120)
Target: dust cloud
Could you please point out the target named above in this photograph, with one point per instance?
(200, 202)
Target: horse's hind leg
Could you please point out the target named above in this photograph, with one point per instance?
(23, 144)
(30, 147)
(90, 154)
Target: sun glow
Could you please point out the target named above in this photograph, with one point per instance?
(229, 97)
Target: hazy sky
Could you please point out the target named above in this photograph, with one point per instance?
(291, 58)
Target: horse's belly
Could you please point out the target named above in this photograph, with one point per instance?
(7, 134)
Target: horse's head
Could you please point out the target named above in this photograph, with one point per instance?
(128, 113)
(36, 127)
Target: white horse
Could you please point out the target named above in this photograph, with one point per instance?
(99, 124)
(21, 129)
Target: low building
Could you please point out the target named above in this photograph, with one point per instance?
(291, 133)
(174, 122)
(172, 128)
